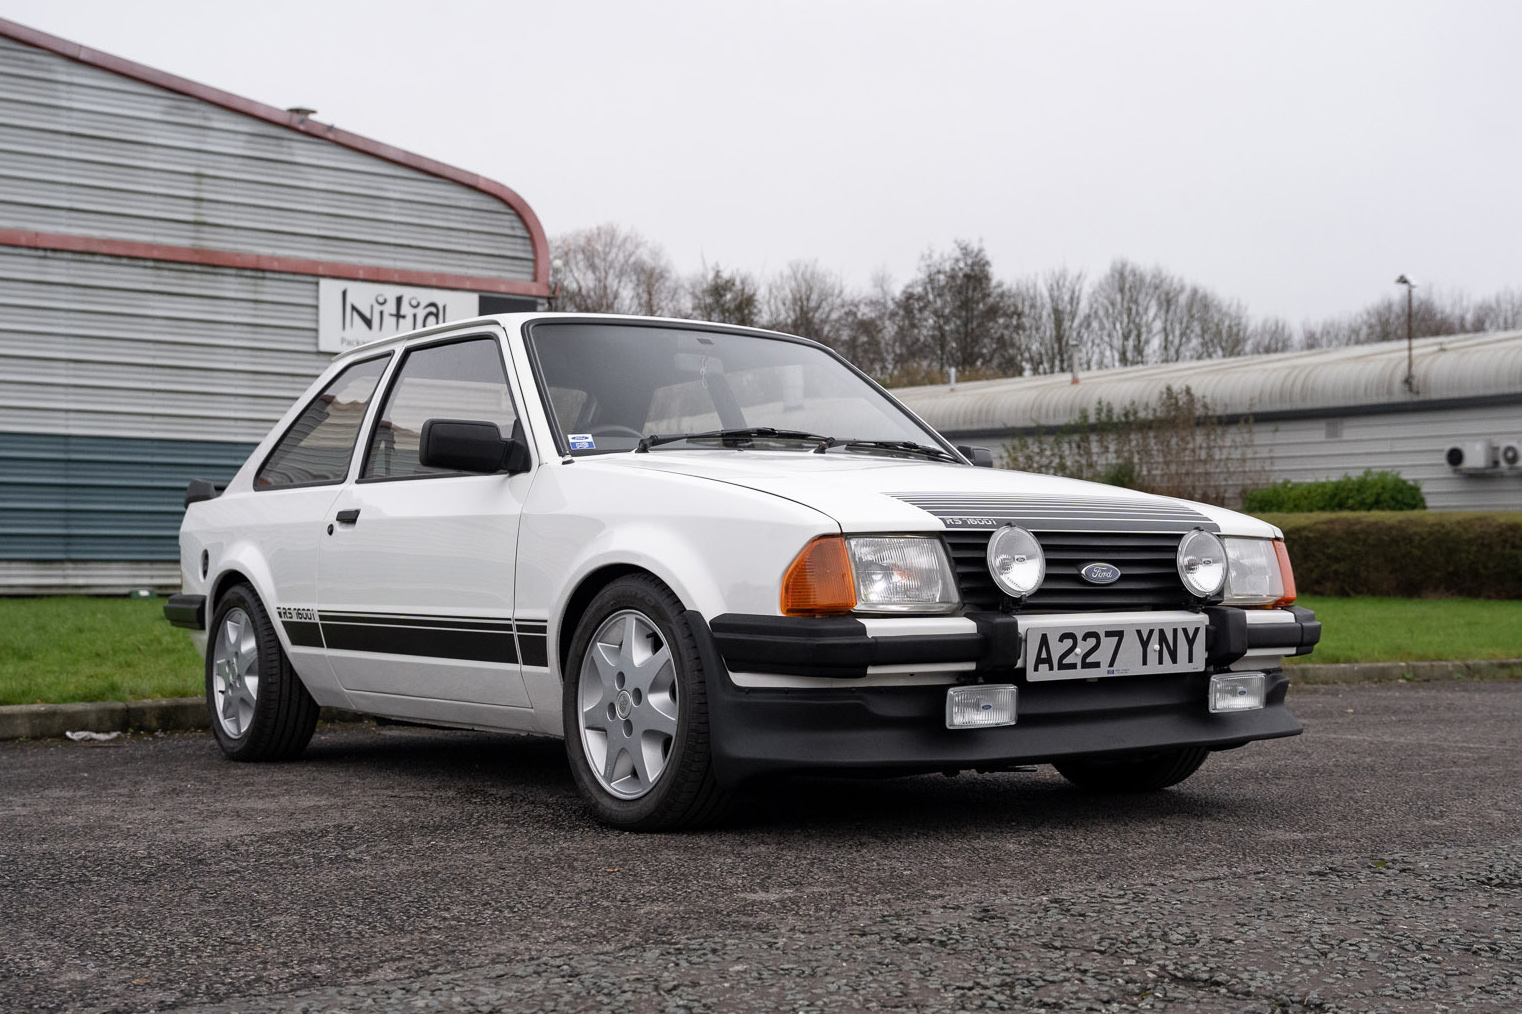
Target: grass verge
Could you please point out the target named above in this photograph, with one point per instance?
(58, 650)
(1367, 629)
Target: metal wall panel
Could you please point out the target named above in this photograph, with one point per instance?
(87, 152)
(87, 577)
(121, 347)
(1411, 443)
(101, 498)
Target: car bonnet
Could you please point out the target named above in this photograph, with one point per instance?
(878, 493)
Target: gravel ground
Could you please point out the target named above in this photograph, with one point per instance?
(1374, 864)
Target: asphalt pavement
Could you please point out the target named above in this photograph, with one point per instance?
(1373, 864)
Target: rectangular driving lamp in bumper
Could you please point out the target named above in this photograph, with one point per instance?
(983, 706)
(1242, 691)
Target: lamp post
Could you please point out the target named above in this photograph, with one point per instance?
(1410, 357)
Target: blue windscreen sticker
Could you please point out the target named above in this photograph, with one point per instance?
(581, 441)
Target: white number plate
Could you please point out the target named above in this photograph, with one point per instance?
(1120, 645)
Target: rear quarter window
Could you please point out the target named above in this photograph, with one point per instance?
(318, 445)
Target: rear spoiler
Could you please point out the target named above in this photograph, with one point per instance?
(203, 489)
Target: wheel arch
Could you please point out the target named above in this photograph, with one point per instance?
(581, 597)
(226, 580)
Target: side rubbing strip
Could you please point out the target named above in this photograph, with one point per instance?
(303, 633)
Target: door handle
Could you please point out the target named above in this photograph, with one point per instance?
(347, 517)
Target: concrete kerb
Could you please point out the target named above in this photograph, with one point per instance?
(1411, 672)
(166, 714)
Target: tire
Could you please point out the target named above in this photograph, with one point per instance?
(636, 711)
(258, 707)
(1146, 773)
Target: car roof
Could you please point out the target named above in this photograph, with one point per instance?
(511, 320)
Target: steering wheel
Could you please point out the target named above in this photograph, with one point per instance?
(612, 430)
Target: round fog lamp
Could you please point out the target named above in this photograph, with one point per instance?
(1202, 563)
(1016, 561)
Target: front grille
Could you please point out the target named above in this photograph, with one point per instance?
(1147, 561)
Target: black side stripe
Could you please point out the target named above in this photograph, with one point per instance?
(303, 633)
(533, 642)
(472, 638)
(426, 641)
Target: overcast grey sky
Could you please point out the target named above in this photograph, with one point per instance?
(1296, 156)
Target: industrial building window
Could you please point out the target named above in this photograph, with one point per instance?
(317, 448)
(460, 380)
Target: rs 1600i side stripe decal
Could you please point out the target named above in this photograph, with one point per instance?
(467, 638)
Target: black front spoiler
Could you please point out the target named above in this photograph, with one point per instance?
(903, 729)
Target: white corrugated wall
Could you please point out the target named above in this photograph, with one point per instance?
(90, 153)
(116, 346)
(123, 376)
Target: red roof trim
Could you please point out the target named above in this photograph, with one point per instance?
(264, 262)
(248, 107)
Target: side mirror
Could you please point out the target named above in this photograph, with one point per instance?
(980, 456)
(470, 445)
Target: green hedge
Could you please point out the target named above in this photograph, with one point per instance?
(1411, 555)
(1371, 491)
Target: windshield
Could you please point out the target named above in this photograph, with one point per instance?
(612, 385)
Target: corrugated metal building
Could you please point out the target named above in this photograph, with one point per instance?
(176, 264)
(1315, 415)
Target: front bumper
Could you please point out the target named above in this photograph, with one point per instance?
(834, 725)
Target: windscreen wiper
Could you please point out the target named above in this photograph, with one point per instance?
(743, 433)
(906, 446)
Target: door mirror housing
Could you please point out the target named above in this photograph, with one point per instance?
(980, 456)
(473, 445)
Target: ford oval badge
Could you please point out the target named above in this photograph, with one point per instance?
(1100, 573)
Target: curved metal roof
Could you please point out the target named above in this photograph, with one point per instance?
(1453, 367)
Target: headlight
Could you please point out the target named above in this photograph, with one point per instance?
(902, 574)
(1016, 561)
(1202, 563)
(1256, 575)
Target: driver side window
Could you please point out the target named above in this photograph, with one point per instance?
(460, 380)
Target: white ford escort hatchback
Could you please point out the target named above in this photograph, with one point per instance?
(701, 553)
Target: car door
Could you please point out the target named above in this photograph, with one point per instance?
(416, 569)
(294, 488)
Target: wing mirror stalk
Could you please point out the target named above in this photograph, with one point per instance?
(471, 445)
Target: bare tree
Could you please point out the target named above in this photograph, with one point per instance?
(1124, 314)
(1501, 312)
(727, 297)
(805, 299)
(609, 269)
(954, 312)
(1066, 323)
(1219, 328)
(1270, 335)
(869, 331)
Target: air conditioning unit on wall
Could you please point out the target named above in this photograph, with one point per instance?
(1511, 454)
(1478, 456)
